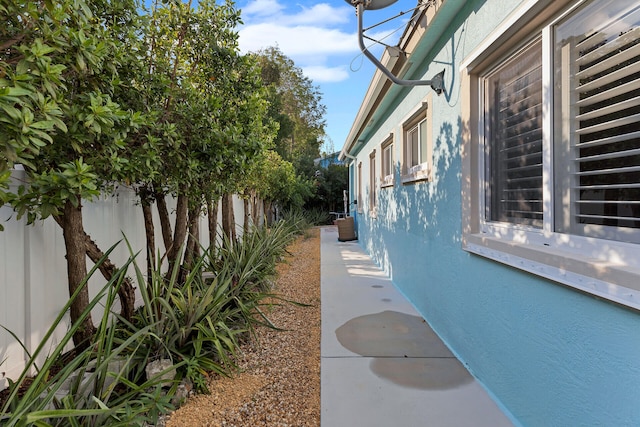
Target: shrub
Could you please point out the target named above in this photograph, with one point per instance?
(195, 325)
(94, 388)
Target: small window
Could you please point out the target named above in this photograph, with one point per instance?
(386, 179)
(372, 182)
(417, 147)
(359, 187)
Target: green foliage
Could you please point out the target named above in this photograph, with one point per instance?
(274, 179)
(190, 323)
(250, 263)
(316, 216)
(93, 388)
(295, 103)
(197, 325)
(208, 98)
(51, 189)
(330, 183)
(200, 323)
(58, 69)
(94, 93)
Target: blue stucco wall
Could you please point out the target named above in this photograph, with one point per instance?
(550, 355)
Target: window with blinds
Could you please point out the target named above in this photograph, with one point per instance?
(551, 164)
(513, 147)
(597, 69)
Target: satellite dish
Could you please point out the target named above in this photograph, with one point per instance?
(436, 83)
(372, 4)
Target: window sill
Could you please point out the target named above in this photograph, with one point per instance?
(416, 177)
(384, 183)
(619, 283)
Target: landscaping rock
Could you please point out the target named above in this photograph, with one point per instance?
(154, 368)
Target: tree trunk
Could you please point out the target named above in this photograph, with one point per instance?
(254, 208)
(193, 241)
(180, 231)
(165, 221)
(228, 218)
(149, 231)
(226, 226)
(268, 214)
(195, 232)
(73, 233)
(247, 216)
(127, 291)
(212, 213)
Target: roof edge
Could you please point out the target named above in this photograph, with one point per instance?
(420, 26)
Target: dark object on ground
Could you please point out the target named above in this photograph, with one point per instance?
(346, 229)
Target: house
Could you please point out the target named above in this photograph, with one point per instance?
(507, 208)
(329, 159)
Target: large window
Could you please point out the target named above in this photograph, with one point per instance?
(553, 178)
(513, 120)
(597, 100)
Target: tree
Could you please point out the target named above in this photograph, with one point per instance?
(59, 70)
(330, 183)
(211, 107)
(276, 183)
(295, 103)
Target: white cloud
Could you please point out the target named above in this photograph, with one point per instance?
(308, 35)
(322, 74)
(322, 15)
(298, 41)
(262, 8)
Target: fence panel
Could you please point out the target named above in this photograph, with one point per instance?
(33, 279)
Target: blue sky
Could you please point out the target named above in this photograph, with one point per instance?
(320, 37)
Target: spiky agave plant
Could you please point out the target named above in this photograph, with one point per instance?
(95, 387)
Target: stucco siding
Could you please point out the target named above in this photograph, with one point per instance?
(551, 356)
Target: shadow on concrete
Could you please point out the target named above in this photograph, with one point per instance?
(405, 351)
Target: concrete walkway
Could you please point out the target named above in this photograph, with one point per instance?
(381, 364)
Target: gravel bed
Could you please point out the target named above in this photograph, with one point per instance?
(279, 379)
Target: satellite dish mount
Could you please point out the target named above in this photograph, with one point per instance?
(436, 83)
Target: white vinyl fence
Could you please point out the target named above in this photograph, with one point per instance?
(33, 277)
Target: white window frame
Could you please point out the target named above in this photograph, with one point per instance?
(386, 163)
(605, 268)
(359, 200)
(373, 196)
(421, 171)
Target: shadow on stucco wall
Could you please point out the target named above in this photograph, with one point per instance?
(428, 211)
